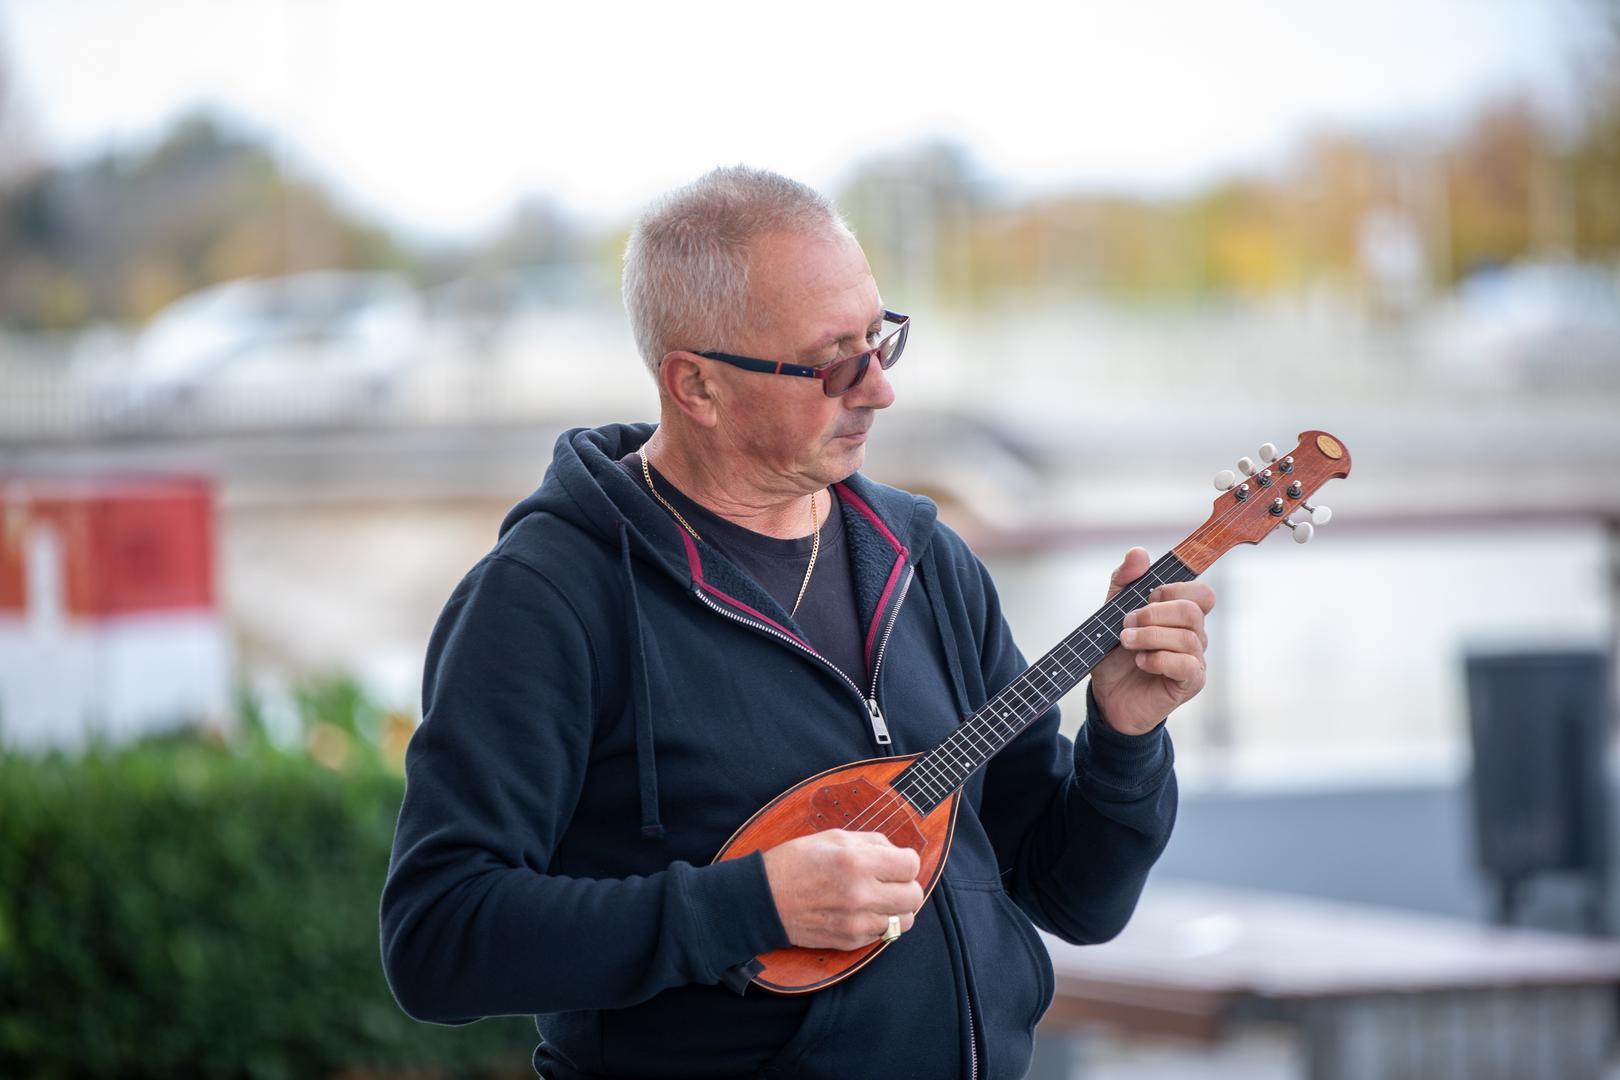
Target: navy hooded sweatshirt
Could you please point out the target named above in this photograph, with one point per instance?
(605, 700)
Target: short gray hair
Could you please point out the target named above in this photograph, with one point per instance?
(686, 264)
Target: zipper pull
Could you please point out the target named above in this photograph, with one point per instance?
(880, 730)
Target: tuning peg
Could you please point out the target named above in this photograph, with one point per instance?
(1302, 531)
(1247, 466)
(1320, 515)
(1224, 480)
(1268, 453)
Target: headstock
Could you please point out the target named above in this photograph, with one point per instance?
(1262, 496)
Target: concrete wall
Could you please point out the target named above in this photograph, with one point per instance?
(1409, 847)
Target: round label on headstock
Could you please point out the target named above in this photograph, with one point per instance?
(1328, 446)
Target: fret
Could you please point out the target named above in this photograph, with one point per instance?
(935, 775)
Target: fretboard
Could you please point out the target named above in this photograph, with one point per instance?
(927, 781)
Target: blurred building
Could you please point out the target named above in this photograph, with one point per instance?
(109, 626)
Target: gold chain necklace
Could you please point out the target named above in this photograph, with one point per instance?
(815, 530)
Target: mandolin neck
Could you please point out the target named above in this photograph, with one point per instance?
(930, 779)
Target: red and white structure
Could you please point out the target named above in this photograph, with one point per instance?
(109, 626)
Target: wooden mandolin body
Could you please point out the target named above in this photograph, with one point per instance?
(858, 797)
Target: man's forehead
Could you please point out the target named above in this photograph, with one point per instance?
(797, 262)
(817, 286)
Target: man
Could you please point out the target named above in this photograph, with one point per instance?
(682, 622)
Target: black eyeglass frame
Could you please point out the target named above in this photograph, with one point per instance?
(826, 373)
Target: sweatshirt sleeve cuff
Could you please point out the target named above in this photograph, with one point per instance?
(736, 912)
(1120, 762)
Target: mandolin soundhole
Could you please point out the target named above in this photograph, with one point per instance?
(859, 805)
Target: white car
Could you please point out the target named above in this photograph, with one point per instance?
(307, 349)
(1535, 324)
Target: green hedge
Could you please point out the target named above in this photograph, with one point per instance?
(181, 908)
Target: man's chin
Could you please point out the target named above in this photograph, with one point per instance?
(848, 462)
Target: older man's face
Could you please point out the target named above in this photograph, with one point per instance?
(815, 301)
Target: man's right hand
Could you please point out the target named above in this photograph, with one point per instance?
(837, 889)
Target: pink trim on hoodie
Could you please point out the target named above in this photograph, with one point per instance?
(894, 575)
(855, 500)
(696, 563)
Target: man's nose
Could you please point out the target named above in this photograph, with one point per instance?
(874, 391)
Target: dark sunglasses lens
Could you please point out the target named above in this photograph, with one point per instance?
(847, 374)
(889, 348)
(842, 376)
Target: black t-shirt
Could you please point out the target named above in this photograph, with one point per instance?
(827, 614)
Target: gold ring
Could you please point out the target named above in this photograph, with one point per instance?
(893, 932)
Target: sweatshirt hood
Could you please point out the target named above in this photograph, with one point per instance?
(585, 486)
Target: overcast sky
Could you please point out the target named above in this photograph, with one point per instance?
(437, 116)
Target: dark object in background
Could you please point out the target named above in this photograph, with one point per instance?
(1540, 724)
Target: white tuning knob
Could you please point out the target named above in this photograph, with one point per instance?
(1268, 452)
(1224, 480)
(1246, 466)
(1320, 515)
(1302, 531)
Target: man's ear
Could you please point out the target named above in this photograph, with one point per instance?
(684, 379)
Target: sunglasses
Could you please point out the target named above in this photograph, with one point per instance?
(842, 375)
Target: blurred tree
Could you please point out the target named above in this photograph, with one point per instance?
(538, 233)
(1491, 177)
(916, 212)
(16, 147)
(1333, 187)
(1595, 163)
(1248, 252)
(119, 237)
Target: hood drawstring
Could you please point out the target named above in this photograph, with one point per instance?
(947, 635)
(641, 698)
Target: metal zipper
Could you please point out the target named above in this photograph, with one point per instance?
(973, 1041)
(879, 731)
(883, 646)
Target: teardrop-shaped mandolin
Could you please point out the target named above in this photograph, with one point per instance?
(913, 799)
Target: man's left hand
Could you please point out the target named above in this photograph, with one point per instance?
(1161, 662)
